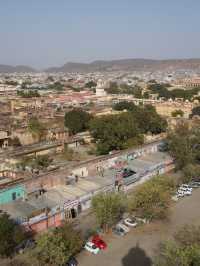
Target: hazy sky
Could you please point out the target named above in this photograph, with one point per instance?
(45, 33)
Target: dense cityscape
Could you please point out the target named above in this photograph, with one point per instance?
(99, 160)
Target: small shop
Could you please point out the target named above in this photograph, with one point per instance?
(72, 209)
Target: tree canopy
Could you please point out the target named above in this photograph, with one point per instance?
(163, 91)
(57, 86)
(184, 144)
(56, 247)
(108, 208)
(77, 120)
(124, 105)
(28, 94)
(184, 250)
(152, 199)
(115, 132)
(11, 235)
(91, 84)
(36, 128)
(178, 112)
(123, 88)
(195, 111)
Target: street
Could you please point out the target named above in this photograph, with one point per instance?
(138, 247)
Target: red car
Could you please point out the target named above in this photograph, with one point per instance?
(99, 242)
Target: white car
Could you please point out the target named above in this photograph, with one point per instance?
(89, 246)
(130, 222)
(185, 187)
(175, 197)
(142, 220)
(123, 227)
(180, 194)
(185, 192)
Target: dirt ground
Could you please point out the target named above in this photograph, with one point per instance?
(139, 246)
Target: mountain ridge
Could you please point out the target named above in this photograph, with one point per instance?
(16, 69)
(129, 64)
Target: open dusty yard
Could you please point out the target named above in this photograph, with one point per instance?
(138, 247)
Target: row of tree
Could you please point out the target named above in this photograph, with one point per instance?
(151, 200)
(163, 91)
(36, 128)
(182, 250)
(54, 247)
(115, 88)
(184, 145)
(116, 132)
(28, 93)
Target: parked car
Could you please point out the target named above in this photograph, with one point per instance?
(124, 227)
(72, 262)
(118, 231)
(130, 222)
(99, 242)
(163, 147)
(180, 194)
(142, 220)
(24, 245)
(185, 192)
(91, 247)
(128, 172)
(185, 187)
(175, 197)
(194, 184)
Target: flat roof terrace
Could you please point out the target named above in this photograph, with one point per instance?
(139, 165)
(59, 195)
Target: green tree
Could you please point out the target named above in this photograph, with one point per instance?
(56, 247)
(183, 144)
(108, 208)
(191, 172)
(15, 142)
(72, 238)
(146, 95)
(114, 132)
(91, 84)
(195, 111)
(28, 94)
(36, 128)
(178, 113)
(77, 120)
(113, 88)
(152, 199)
(42, 161)
(124, 105)
(11, 235)
(137, 92)
(57, 86)
(149, 120)
(51, 250)
(184, 250)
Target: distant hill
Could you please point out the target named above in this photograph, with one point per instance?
(129, 65)
(17, 69)
(113, 65)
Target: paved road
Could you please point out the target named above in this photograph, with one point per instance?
(138, 247)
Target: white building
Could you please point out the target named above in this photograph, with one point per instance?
(100, 88)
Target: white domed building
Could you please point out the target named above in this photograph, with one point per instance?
(100, 88)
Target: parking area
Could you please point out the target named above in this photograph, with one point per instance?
(139, 245)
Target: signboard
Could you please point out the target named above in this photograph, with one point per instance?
(37, 218)
(70, 204)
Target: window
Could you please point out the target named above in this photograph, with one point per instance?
(14, 196)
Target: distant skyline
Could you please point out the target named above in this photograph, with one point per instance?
(45, 33)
